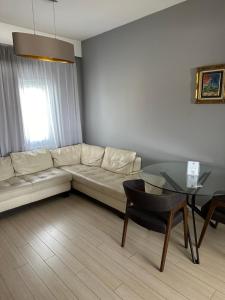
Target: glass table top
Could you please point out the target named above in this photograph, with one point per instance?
(172, 176)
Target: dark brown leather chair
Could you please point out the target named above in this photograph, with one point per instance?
(159, 213)
(212, 210)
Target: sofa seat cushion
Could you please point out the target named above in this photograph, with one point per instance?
(47, 179)
(25, 184)
(30, 162)
(14, 187)
(99, 179)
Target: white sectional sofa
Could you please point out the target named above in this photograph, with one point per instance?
(99, 172)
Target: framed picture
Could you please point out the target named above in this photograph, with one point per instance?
(210, 84)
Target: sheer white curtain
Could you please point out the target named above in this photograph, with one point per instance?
(48, 99)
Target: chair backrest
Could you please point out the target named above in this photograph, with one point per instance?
(135, 193)
(219, 201)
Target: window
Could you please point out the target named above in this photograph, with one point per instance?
(39, 104)
(37, 116)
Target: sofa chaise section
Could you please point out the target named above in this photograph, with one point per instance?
(102, 172)
(102, 185)
(34, 179)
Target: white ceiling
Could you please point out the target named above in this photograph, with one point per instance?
(79, 19)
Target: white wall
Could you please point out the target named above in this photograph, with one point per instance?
(6, 36)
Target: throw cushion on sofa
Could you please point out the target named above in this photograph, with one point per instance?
(31, 161)
(92, 155)
(118, 161)
(6, 168)
(66, 156)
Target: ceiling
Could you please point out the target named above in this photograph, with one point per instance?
(79, 19)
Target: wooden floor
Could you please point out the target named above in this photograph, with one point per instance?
(69, 248)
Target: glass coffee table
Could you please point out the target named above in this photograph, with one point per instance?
(172, 177)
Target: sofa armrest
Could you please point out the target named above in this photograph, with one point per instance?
(137, 165)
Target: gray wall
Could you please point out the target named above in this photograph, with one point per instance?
(139, 83)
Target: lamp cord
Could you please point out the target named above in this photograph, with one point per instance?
(34, 26)
(33, 16)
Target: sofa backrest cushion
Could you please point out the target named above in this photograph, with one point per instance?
(6, 168)
(92, 155)
(118, 161)
(31, 161)
(66, 156)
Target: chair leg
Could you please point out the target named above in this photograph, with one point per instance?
(207, 221)
(214, 225)
(166, 242)
(185, 216)
(124, 230)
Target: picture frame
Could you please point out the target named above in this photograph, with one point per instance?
(210, 85)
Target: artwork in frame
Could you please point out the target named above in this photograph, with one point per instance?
(210, 84)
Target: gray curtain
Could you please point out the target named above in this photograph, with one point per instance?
(39, 104)
(11, 127)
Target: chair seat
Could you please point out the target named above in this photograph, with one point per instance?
(218, 215)
(153, 221)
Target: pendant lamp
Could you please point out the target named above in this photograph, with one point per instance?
(42, 47)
